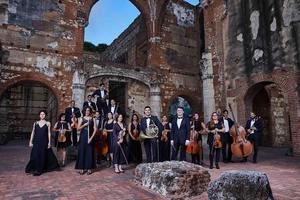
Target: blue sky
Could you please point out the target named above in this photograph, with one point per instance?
(107, 21)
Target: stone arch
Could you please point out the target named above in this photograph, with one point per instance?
(21, 101)
(185, 96)
(268, 100)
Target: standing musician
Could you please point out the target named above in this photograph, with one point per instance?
(214, 129)
(254, 127)
(108, 128)
(90, 103)
(226, 138)
(113, 108)
(151, 144)
(180, 135)
(165, 140)
(135, 149)
(62, 130)
(119, 132)
(102, 99)
(196, 139)
(72, 115)
(86, 153)
(100, 144)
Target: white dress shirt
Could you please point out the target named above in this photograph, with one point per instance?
(179, 120)
(226, 125)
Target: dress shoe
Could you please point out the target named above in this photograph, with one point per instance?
(211, 167)
(217, 166)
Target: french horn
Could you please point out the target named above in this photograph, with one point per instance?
(151, 132)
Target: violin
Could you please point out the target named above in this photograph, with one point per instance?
(74, 124)
(217, 140)
(62, 134)
(121, 136)
(135, 133)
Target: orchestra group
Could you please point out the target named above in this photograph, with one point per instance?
(103, 134)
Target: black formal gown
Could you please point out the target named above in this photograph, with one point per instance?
(119, 149)
(86, 152)
(42, 159)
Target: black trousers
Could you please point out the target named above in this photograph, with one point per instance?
(74, 136)
(151, 148)
(212, 152)
(227, 140)
(175, 149)
(102, 107)
(255, 143)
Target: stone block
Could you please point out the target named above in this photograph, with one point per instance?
(173, 179)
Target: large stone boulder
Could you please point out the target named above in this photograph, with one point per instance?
(240, 185)
(173, 179)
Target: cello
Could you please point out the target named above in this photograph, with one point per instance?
(193, 147)
(240, 147)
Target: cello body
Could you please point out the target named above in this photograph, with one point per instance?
(240, 147)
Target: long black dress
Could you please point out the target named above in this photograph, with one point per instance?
(109, 127)
(165, 146)
(119, 149)
(135, 148)
(86, 152)
(42, 159)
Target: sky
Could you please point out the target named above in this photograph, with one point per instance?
(107, 21)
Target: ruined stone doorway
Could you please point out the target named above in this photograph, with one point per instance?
(20, 105)
(117, 91)
(261, 106)
(267, 100)
(182, 102)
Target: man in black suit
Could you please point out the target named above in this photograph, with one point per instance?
(226, 139)
(151, 144)
(114, 108)
(254, 128)
(180, 134)
(89, 103)
(102, 99)
(70, 112)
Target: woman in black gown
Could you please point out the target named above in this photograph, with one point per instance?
(62, 133)
(214, 128)
(42, 158)
(135, 148)
(165, 140)
(119, 144)
(86, 152)
(108, 127)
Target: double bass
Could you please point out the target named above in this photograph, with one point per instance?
(240, 147)
(101, 144)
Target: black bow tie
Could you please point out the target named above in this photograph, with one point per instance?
(179, 117)
(148, 117)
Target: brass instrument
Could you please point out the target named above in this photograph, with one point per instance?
(151, 132)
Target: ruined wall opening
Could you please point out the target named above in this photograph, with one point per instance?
(268, 101)
(132, 95)
(180, 101)
(19, 107)
(120, 37)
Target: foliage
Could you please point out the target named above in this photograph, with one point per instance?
(88, 46)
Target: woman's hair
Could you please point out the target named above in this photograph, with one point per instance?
(44, 111)
(211, 122)
(84, 110)
(133, 116)
(119, 116)
(110, 113)
(60, 116)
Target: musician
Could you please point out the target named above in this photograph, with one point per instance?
(72, 115)
(113, 108)
(119, 132)
(226, 139)
(151, 144)
(199, 128)
(100, 126)
(135, 149)
(254, 127)
(102, 99)
(62, 130)
(86, 153)
(214, 128)
(90, 103)
(165, 140)
(180, 135)
(108, 127)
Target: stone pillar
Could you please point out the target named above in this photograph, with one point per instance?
(155, 99)
(78, 89)
(208, 86)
